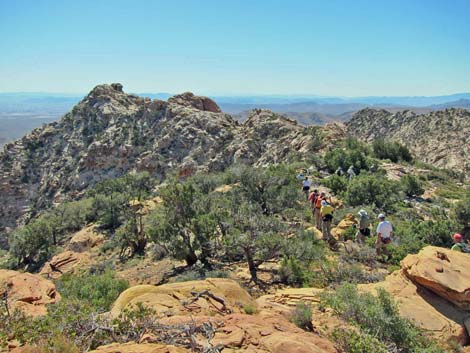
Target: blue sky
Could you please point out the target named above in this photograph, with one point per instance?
(330, 47)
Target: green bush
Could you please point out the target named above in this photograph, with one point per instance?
(292, 272)
(393, 151)
(411, 185)
(413, 235)
(462, 210)
(378, 316)
(98, 291)
(301, 316)
(337, 184)
(351, 341)
(373, 190)
(249, 309)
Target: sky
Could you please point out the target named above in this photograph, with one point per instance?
(229, 47)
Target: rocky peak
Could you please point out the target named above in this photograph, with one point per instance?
(435, 137)
(188, 99)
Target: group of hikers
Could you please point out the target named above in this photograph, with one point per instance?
(322, 211)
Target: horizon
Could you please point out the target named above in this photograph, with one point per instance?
(334, 49)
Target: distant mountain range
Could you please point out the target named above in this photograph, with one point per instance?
(21, 112)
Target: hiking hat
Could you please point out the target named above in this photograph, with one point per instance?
(362, 213)
(381, 216)
(457, 237)
(324, 203)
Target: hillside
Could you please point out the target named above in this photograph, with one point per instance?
(110, 133)
(139, 225)
(438, 138)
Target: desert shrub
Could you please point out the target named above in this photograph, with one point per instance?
(373, 190)
(249, 309)
(393, 151)
(299, 254)
(292, 272)
(352, 341)
(412, 236)
(338, 272)
(337, 184)
(411, 185)
(362, 254)
(99, 291)
(461, 210)
(301, 316)
(378, 316)
(344, 158)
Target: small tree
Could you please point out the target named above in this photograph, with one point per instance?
(254, 234)
(184, 223)
(411, 185)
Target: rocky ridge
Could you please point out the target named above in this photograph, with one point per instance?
(111, 133)
(438, 138)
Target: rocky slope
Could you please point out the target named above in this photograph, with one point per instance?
(110, 133)
(438, 138)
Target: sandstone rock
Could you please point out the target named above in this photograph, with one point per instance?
(266, 332)
(428, 311)
(27, 292)
(170, 299)
(65, 262)
(443, 271)
(343, 225)
(201, 103)
(26, 349)
(85, 239)
(139, 348)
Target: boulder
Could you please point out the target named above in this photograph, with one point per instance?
(266, 332)
(177, 298)
(65, 262)
(139, 348)
(85, 239)
(442, 271)
(27, 292)
(428, 311)
(343, 225)
(188, 99)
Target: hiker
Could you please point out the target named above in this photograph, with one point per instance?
(306, 187)
(339, 171)
(459, 244)
(313, 199)
(364, 230)
(317, 210)
(351, 172)
(326, 212)
(384, 235)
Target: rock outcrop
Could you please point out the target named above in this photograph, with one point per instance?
(189, 303)
(188, 99)
(139, 348)
(177, 298)
(437, 138)
(432, 289)
(428, 311)
(85, 239)
(111, 133)
(65, 262)
(27, 292)
(442, 271)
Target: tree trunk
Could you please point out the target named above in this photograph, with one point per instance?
(251, 265)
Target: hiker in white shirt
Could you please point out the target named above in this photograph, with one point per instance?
(306, 187)
(384, 235)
